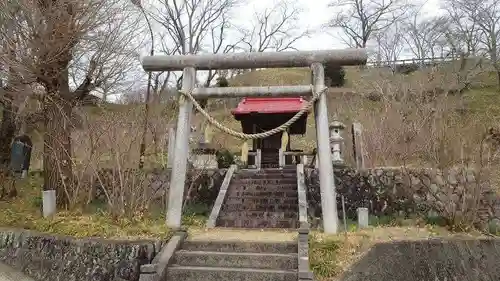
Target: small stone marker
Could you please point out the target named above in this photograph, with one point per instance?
(362, 217)
(48, 203)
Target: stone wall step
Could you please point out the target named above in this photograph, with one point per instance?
(261, 207)
(241, 246)
(259, 200)
(248, 214)
(257, 223)
(291, 169)
(265, 187)
(241, 260)
(251, 193)
(264, 180)
(195, 273)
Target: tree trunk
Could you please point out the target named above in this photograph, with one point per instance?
(498, 80)
(57, 156)
(8, 130)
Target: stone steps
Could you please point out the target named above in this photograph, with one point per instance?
(240, 246)
(262, 207)
(265, 187)
(263, 181)
(195, 273)
(257, 200)
(261, 198)
(262, 193)
(242, 260)
(266, 215)
(234, 260)
(257, 223)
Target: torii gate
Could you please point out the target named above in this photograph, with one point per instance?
(313, 59)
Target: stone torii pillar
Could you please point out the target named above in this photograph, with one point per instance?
(313, 59)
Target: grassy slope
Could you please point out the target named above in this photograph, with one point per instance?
(347, 107)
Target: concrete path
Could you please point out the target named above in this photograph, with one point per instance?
(7, 273)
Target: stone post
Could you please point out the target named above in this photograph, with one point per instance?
(178, 176)
(357, 144)
(363, 218)
(326, 178)
(258, 159)
(48, 203)
(336, 140)
(171, 147)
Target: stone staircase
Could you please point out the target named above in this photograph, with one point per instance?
(267, 198)
(231, 261)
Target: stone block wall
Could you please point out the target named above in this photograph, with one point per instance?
(399, 191)
(58, 258)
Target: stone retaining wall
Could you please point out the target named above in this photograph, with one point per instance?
(399, 191)
(58, 258)
(202, 185)
(429, 260)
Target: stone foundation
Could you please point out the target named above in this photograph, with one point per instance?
(58, 258)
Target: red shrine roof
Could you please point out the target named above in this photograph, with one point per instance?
(269, 105)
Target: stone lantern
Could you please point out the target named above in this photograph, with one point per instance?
(336, 140)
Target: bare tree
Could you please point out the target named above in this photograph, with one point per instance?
(361, 19)
(188, 23)
(422, 34)
(91, 38)
(220, 44)
(390, 44)
(460, 31)
(486, 15)
(276, 28)
(14, 90)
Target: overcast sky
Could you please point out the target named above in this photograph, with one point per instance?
(316, 13)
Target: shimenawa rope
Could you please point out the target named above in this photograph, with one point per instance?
(307, 107)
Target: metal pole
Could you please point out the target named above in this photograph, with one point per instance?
(326, 179)
(178, 176)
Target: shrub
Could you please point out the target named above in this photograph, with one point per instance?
(407, 68)
(225, 158)
(335, 75)
(222, 82)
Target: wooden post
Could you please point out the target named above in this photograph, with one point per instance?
(357, 144)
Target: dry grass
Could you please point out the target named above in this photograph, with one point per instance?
(25, 212)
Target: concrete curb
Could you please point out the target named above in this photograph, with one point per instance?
(157, 269)
(212, 219)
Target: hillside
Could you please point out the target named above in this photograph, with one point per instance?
(405, 117)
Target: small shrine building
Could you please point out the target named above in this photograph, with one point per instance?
(263, 114)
